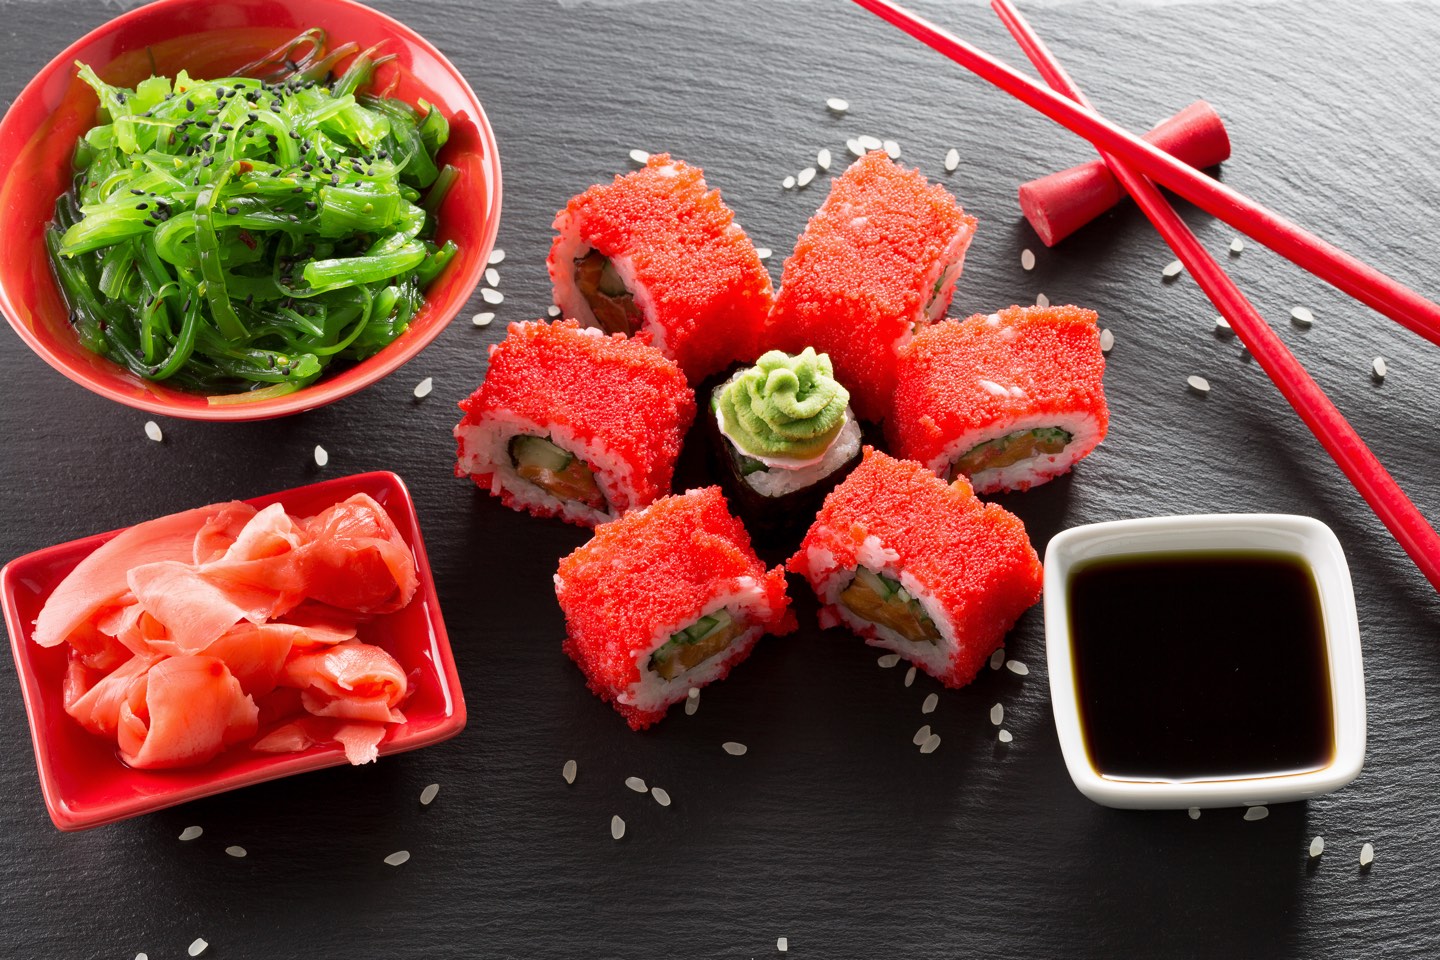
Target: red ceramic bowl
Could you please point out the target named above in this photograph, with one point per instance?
(211, 39)
(84, 781)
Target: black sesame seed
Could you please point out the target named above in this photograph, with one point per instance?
(232, 210)
(189, 104)
(138, 192)
(311, 205)
(142, 206)
(207, 161)
(148, 222)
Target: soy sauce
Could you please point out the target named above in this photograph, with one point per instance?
(1201, 666)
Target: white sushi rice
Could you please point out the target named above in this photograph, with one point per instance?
(1317, 846)
(569, 770)
(782, 944)
(997, 659)
(1027, 259)
(781, 479)
(1080, 424)
(483, 319)
(804, 177)
(1301, 316)
(617, 827)
(496, 256)
(636, 784)
(485, 449)
(997, 714)
(1198, 384)
(856, 148)
(1378, 369)
(952, 160)
(892, 148)
(152, 430)
(398, 857)
(1367, 855)
(1172, 270)
(869, 142)
(423, 388)
(322, 456)
(1041, 300)
(931, 744)
(822, 159)
(428, 795)
(197, 946)
(1258, 812)
(1018, 668)
(191, 833)
(910, 675)
(236, 851)
(888, 661)
(1107, 340)
(837, 105)
(492, 276)
(931, 702)
(661, 795)
(640, 157)
(1222, 327)
(788, 183)
(921, 735)
(552, 311)
(492, 296)
(734, 749)
(764, 253)
(1194, 813)
(1237, 246)
(1005, 736)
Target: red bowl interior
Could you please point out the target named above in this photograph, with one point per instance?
(38, 134)
(83, 779)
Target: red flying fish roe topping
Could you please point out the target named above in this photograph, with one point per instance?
(1051, 353)
(621, 392)
(650, 570)
(973, 558)
(709, 291)
(855, 284)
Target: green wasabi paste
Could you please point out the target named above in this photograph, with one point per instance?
(784, 407)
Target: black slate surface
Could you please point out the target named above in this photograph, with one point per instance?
(832, 831)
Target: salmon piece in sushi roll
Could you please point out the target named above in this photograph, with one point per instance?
(658, 251)
(665, 599)
(919, 567)
(1009, 400)
(573, 423)
(878, 261)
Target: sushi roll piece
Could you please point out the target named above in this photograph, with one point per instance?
(665, 599)
(783, 435)
(878, 261)
(919, 566)
(1009, 400)
(572, 423)
(658, 251)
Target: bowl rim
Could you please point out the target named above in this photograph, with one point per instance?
(323, 391)
(68, 816)
(1304, 537)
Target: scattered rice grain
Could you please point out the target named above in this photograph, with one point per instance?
(997, 659)
(788, 183)
(236, 851)
(1107, 340)
(1367, 855)
(1005, 735)
(921, 735)
(640, 156)
(636, 784)
(733, 748)
(152, 430)
(492, 296)
(693, 693)
(997, 714)
(855, 147)
(692, 702)
(1222, 327)
(952, 160)
(1317, 846)
(1258, 812)
(931, 702)
(1198, 384)
(782, 944)
(1237, 245)
(1017, 667)
(569, 770)
(322, 456)
(764, 253)
(931, 743)
(617, 828)
(1041, 300)
(822, 159)
(806, 175)
(198, 947)
(1027, 259)
(427, 796)
(191, 833)
(1302, 316)
(892, 148)
(888, 661)
(1194, 813)
(142, 956)
(1378, 369)
(398, 857)
(483, 319)
(496, 256)
(492, 276)
(910, 676)
(661, 796)
(1172, 270)
(836, 105)
(869, 142)
(423, 388)
(552, 311)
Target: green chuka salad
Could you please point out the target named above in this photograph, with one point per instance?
(243, 234)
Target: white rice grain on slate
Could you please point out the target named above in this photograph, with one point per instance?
(1222, 327)
(931, 744)
(1017, 667)
(640, 156)
(1257, 812)
(492, 276)
(855, 147)
(636, 784)
(617, 828)
(152, 430)
(764, 253)
(496, 256)
(1301, 316)
(806, 175)
(552, 311)
(1367, 855)
(733, 748)
(569, 771)
(836, 105)
(1005, 736)
(931, 702)
(1107, 340)
(492, 296)
(1041, 300)
(1198, 384)
(1194, 813)
(322, 456)
(198, 947)
(693, 693)
(1172, 270)
(236, 851)
(869, 142)
(1377, 369)
(952, 160)
(142, 956)
(423, 388)
(997, 659)
(997, 714)
(909, 676)
(1027, 259)
(892, 148)
(191, 833)
(822, 159)
(921, 735)
(782, 944)
(484, 319)
(1317, 846)
(692, 702)
(1237, 245)
(661, 796)
(888, 661)
(427, 796)
(788, 183)
(398, 857)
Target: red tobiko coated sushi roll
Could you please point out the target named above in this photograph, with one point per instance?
(878, 260)
(665, 599)
(1009, 400)
(574, 423)
(918, 566)
(658, 251)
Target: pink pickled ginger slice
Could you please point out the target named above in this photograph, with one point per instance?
(355, 681)
(193, 709)
(356, 558)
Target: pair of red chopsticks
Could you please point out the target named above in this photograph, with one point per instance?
(1133, 161)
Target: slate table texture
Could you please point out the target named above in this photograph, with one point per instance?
(833, 831)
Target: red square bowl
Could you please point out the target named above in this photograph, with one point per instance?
(83, 779)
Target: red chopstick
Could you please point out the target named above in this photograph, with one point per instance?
(1340, 440)
(1326, 261)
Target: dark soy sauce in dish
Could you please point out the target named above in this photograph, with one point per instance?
(1201, 666)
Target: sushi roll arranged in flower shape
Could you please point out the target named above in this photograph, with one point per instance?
(1010, 400)
(877, 261)
(658, 251)
(919, 567)
(665, 599)
(784, 436)
(573, 423)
